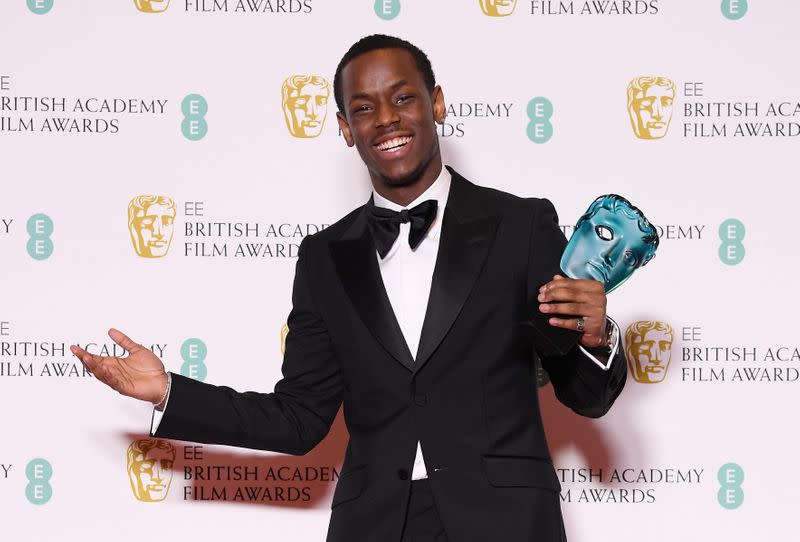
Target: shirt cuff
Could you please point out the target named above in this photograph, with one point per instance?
(612, 345)
(155, 420)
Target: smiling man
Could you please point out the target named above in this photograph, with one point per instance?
(413, 312)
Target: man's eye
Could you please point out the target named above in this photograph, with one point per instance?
(404, 98)
(604, 232)
(147, 221)
(300, 101)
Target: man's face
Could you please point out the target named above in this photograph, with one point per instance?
(152, 6)
(151, 475)
(306, 109)
(498, 8)
(652, 111)
(153, 227)
(390, 116)
(607, 247)
(650, 355)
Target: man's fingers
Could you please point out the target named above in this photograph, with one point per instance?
(587, 285)
(123, 340)
(83, 355)
(566, 323)
(590, 335)
(92, 361)
(563, 308)
(565, 294)
(577, 309)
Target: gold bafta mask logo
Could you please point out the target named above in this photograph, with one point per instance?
(649, 348)
(650, 102)
(151, 222)
(498, 8)
(305, 104)
(150, 468)
(284, 333)
(151, 6)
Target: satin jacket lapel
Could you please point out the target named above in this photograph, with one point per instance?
(467, 234)
(355, 259)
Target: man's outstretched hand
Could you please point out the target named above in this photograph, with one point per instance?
(584, 298)
(141, 374)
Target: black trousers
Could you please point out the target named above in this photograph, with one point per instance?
(423, 523)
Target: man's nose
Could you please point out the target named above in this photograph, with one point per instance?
(387, 115)
(655, 358)
(158, 229)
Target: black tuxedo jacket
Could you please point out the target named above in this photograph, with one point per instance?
(470, 396)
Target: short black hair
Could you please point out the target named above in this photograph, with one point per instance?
(381, 41)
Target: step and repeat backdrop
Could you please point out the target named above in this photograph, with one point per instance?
(161, 160)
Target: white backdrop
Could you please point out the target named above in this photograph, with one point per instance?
(730, 402)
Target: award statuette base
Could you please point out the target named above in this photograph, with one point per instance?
(549, 340)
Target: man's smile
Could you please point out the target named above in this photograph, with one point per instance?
(394, 144)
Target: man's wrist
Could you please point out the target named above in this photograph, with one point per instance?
(162, 403)
(609, 339)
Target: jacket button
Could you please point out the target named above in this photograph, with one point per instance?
(420, 399)
(402, 474)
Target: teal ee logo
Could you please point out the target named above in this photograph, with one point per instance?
(731, 251)
(38, 472)
(387, 9)
(40, 7)
(539, 112)
(193, 353)
(730, 494)
(194, 126)
(734, 9)
(40, 246)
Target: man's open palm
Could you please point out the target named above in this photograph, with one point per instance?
(141, 374)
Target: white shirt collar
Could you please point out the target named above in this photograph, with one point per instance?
(439, 191)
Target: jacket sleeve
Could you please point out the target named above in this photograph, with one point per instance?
(578, 382)
(295, 417)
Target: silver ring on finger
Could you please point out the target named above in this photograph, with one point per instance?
(581, 324)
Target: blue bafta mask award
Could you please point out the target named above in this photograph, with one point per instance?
(611, 240)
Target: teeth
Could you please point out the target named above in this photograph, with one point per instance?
(393, 144)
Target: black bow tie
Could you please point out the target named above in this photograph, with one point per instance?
(384, 224)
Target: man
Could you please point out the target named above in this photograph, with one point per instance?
(414, 317)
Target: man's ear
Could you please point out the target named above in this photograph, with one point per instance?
(345, 128)
(439, 107)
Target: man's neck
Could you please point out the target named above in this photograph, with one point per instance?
(405, 194)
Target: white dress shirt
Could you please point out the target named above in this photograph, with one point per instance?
(407, 276)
